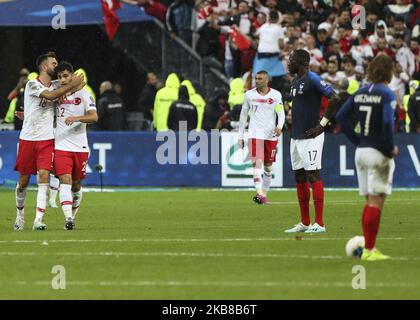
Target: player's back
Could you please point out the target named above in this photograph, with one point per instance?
(38, 112)
(306, 93)
(374, 108)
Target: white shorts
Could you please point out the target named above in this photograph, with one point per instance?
(307, 153)
(374, 172)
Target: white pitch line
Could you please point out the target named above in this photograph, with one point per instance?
(288, 284)
(191, 254)
(304, 238)
(334, 202)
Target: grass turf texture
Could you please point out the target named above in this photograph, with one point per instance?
(195, 244)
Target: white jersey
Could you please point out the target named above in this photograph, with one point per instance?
(74, 137)
(263, 110)
(38, 124)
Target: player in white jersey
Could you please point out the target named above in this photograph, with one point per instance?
(264, 105)
(36, 141)
(71, 145)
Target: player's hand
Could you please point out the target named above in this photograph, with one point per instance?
(78, 81)
(277, 131)
(241, 143)
(395, 152)
(70, 120)
(19, 115)
(314, 132)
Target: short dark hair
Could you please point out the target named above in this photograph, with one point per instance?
(302, 57)
(44, 57)
(63, 66)
(263, 72)
(380, 69)
(274, 15)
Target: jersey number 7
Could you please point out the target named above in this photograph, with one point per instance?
(368, 110)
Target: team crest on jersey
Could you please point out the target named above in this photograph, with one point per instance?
(77, 101)
(270, 101)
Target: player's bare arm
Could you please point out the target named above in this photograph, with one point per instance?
(330, 112)
(90, 117)
(76, 82)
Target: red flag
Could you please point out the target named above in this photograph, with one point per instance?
(112, 22)
(239, 39)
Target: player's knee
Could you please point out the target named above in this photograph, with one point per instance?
(300, 176)
(23, 181)
(65, 179)
(268, 168)
(43, 176)
(313, 176)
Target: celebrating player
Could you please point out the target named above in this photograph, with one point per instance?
(308, 138)
(265, 104)
(71, 144)
(36, 140)
(374, 106)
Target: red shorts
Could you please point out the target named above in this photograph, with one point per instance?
(262, 150)
(34, 155)
(74, 163)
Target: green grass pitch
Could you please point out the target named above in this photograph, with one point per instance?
(203, 244)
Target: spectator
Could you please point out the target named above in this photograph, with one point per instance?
(270, 5)
(414, 110)
(333, 54)
(163, 100)
(415, 49)
(268, 56)
(208, 44)
(400, 28)
(197, 100)
(361, 49)
(314, 52)
(404, 56)
(110, 109)
(182, 110)
(381, 32)
(178, 20)
(333, 76)
(323, 40)
(215, 109)
(383, 48)
(400, 9)
(148, 94)
(349, 64)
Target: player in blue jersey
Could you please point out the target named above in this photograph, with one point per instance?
(307, 141)
(374, 107)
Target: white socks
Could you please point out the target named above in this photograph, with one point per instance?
(54, 185)
(258, 180)
(267, 176)
(41, 201)
(66, 200)
(77, 199)
(20, 202)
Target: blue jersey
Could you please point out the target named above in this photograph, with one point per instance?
(306, 93)
(374, 107)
